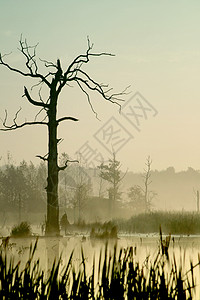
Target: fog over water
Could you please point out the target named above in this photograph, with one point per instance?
(184, 249)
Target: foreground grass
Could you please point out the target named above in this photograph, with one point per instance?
(116, 276)
(173, 222)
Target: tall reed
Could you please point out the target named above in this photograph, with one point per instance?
(115, 275)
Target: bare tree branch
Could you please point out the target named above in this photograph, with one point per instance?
(36, 103)
(47, 63)
(66, 118)
(88, 98)
(15, 126)
(39, 112)
(30, 58)
(84, 58)
(66, 164)
(95, 86)
(123, 175)
(147, 171)
(43, 78)
(146, 177)
(42, 157)
(113, 98)
(74, 73)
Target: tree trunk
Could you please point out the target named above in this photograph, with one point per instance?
(20, 208)
(52, 225)
(110, 198)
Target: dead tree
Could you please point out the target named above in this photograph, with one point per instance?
(112, 174)
(147, 182)
(55, 79)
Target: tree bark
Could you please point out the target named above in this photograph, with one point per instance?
(52, 226)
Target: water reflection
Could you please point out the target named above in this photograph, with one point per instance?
(52, 251)
(183, 249)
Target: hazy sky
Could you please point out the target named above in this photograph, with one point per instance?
(157, 49)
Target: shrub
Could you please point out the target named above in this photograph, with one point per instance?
(21, 230)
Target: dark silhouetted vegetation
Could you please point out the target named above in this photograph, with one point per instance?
(171, 222)
(21, 230)
(112, 174)
(104, 232)
(22, 187)
(118, 276)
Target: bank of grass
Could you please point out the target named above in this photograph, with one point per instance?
(118, 276)
(181, 223)
(185, 223)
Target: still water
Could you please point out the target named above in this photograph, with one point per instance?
(185, 249)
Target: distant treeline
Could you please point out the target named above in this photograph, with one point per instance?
(22, 187)
(84, 195)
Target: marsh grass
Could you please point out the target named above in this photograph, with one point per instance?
(115, 275)
(174, 222)
(181, 223)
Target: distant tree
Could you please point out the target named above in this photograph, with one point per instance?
(148, 194)
(67, 183)
(137, 198)
(21, 187)
(141, 197)
(55, 80)
(102, 188)
(170, 171)
(14, 188)
(83, 188)
(112, 174)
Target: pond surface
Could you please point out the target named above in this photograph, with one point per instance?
(185, 249)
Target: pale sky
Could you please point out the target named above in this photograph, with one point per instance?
(157, 49)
